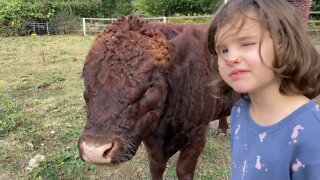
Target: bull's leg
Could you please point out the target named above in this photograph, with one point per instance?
(189, 156)
(157, 161)
(223, 127)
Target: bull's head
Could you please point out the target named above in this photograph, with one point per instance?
(125, 90)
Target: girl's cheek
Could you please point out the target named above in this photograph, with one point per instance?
(221, 65)
(222, 71)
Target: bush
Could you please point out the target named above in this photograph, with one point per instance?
(65, 22)
(15, 14)
(13, 28)
(189, 20)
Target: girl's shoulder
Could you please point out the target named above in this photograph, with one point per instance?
(307, 115)
(312, 113)
(305, 135)
(308, 122)
(316, 110)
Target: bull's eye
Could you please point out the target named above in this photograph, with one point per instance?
(126, 124)
(151, 98)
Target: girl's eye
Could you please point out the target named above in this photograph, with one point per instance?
(225, 50)
(248, 44)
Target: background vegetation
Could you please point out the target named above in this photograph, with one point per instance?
(64, 15)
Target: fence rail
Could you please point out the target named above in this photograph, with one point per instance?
(38, 28)
(96, 25)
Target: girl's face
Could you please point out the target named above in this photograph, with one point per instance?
(245, 56)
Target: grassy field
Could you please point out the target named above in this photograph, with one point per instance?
(42, 115)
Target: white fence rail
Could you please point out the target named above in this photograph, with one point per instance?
(95, 25)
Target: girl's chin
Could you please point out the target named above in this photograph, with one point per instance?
(240, 90)
(240, 86)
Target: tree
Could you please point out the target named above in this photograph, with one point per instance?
(107, 8)
(172, 7)
(315, 5)
(190, 7)
(123, 7)
(151, 7)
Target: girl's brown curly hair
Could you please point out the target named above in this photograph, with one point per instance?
(296, 63)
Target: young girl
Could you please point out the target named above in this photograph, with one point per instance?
(262, 51)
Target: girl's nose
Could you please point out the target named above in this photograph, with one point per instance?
(232, 58)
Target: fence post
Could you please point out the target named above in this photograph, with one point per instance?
(34, 28)
(164, 19)
(84, 26)
(47, 24)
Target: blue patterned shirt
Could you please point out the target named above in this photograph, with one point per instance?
(287, 150)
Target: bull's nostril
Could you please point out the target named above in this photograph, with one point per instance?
(107, 151)
(97, 153)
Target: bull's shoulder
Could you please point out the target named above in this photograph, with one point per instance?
(171, 31)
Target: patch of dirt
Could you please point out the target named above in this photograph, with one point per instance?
(43, 86)
(5, 177)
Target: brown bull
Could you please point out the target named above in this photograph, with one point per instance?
(148, 83)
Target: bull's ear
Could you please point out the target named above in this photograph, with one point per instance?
(155, 96)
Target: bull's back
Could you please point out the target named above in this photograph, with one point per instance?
(170, 31)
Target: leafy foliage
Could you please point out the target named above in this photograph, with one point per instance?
(16, 14)
(187, 7)
(123, 7)
(315, 5)
(171, 7)
(64, 22)
(151, 7)
(189, 20)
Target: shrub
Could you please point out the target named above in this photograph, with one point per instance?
(65, 22)
(189, 20)
(15, 14)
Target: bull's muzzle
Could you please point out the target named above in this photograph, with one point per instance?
(94, 152)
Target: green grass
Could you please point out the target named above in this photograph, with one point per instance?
(42, 105)
(41, 112)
